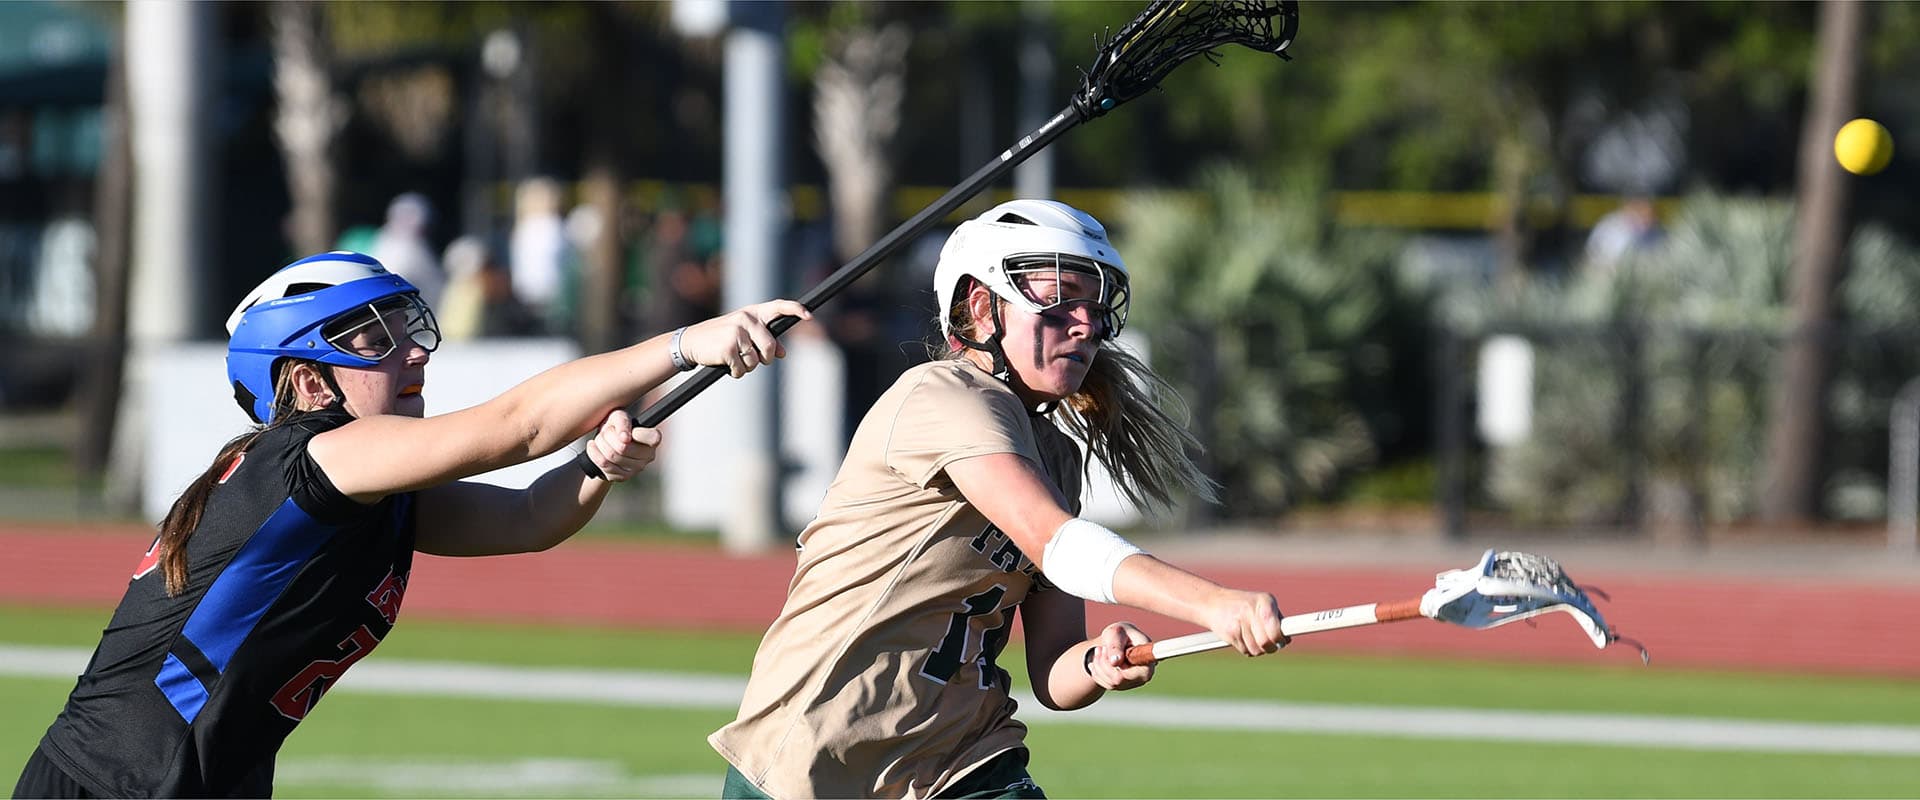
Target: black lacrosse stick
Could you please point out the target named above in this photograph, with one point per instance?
(1166, 34)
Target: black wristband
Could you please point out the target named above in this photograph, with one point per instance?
(1087, 663)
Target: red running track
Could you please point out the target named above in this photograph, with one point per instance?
(1825, 626)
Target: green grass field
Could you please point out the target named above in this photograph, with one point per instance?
(375, 745)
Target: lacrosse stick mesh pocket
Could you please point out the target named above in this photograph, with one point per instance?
(1170, 32)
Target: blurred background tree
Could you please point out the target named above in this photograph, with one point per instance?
(1274, 323)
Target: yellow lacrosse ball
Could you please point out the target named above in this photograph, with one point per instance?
(1863, 147)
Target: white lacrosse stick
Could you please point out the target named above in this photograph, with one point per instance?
(1504, 587)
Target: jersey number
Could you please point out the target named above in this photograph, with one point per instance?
(298, 697)
(945, 659)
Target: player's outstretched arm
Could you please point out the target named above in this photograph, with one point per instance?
(377, 456)
(466, 518)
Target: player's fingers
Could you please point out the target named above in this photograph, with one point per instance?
(1132, 676)
(609, 464)
(1279, 635)
(1112, 647)
(631, 457)
(641, 447)
(620, 448)
(782, 308)
(1270, 617)
(752, 353)
(765, 344)
(1116, 638)
(1249, 638)
(613, 435)
(769, 343)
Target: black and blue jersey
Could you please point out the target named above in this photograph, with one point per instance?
(289, 582)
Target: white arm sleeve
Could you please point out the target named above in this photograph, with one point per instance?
(1082, 557)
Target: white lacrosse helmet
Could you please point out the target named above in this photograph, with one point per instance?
(1019, 238)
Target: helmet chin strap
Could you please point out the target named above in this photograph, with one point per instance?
(1001, 368)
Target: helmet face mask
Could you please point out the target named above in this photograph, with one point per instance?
(375, 331)
(1045, 282)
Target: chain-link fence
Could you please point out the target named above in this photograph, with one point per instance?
(1625, 430)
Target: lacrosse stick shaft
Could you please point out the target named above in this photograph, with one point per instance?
(1332, 619)
(872, 256)
(861, 264)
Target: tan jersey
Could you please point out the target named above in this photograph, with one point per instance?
(878, 678)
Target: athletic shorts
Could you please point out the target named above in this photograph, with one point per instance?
(1002, 778)
(44, 779)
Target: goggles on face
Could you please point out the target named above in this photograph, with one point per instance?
(382, 328)
(1054, 281)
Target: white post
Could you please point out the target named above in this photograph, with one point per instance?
(1506, 390)
(169, 66)
(1903, 471)
(756, 221)
(1034, 177)
(171, 57)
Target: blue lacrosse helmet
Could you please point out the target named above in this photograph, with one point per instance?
(292, 315)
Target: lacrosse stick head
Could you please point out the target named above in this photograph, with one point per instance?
(1168, 33)
(1508, 587)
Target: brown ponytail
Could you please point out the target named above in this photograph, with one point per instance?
(184, 517)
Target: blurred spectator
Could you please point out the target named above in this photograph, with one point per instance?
(685, 284)
(479, 301)
(583, 225)
(1631, 228)
(706, 237)
(874, 321)
(537, 252)
(401, 246)
(634, 233)
(462, 310)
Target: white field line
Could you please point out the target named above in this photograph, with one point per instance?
(525, 777)
(680, 690)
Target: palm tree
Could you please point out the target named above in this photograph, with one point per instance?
(1279, 322)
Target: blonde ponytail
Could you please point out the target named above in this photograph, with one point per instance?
(1130, 417)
